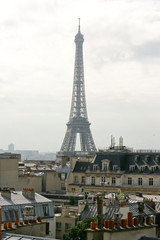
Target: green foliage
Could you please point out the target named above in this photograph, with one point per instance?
(72, 200)
(78, 232)
(86, 196)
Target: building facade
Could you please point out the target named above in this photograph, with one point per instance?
(117, 168)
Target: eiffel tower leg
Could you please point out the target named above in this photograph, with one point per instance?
(69, 141)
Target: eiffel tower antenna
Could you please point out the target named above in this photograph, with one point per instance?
(78, 120)
(79, 25)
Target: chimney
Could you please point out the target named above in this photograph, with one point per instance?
(65, 211)
(141, 213)
(6, 192)
(123, 210)
(117, 219)
(100, 210)
(29, 193)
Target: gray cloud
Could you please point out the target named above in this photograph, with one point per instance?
(147, 50)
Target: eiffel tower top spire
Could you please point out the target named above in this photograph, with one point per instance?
(79, 27)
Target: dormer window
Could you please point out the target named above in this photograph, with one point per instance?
(142, 168)
(153, 168)
(105, 164)
(115, 168)
(132, 168)
(95, 167)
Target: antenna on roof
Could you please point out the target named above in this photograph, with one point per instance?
(112, 142)
(121, 141)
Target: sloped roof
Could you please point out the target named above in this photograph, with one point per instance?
(90, 210)
(11, 236)
(81, 166)
(17, 198)
(133, 207)
(13, 208)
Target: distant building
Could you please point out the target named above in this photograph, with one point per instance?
(11, 147)
(42, 177)
(117, 168)
(9, 169)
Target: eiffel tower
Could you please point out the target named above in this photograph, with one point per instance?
(78, 121)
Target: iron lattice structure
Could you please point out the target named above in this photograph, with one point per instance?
(78, 120)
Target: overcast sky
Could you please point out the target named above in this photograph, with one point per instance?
(121, 67)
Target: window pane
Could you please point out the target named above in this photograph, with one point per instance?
(129, 181)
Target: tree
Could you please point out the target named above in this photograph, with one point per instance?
(78, 232)
(72, 200)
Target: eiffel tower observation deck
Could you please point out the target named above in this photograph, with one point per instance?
(78, 121)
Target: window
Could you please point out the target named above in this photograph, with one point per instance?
(115, 168)
(62, 176)
(105, 166)
(63, 186)
(45, 210)
(139, 181)
(7, 216)
(132, 168)
(11, 215)
(83, 179)
(103, 179)
(58, 226)
(73, 189)
(76, 179)
(93, 181)
(67, 226)
(113, 180)
(142, 168)
(47, 228)
(129, 181)
(153, 168)
(95, 167)
(150, 181)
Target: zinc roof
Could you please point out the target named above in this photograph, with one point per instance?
(17, 198)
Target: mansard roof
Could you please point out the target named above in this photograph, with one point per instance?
(141, 162)
(81, 166)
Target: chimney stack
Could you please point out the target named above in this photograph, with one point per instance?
(29, 193)
(141, 213)
(65, 211)
(100, 210)
(6, 192)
